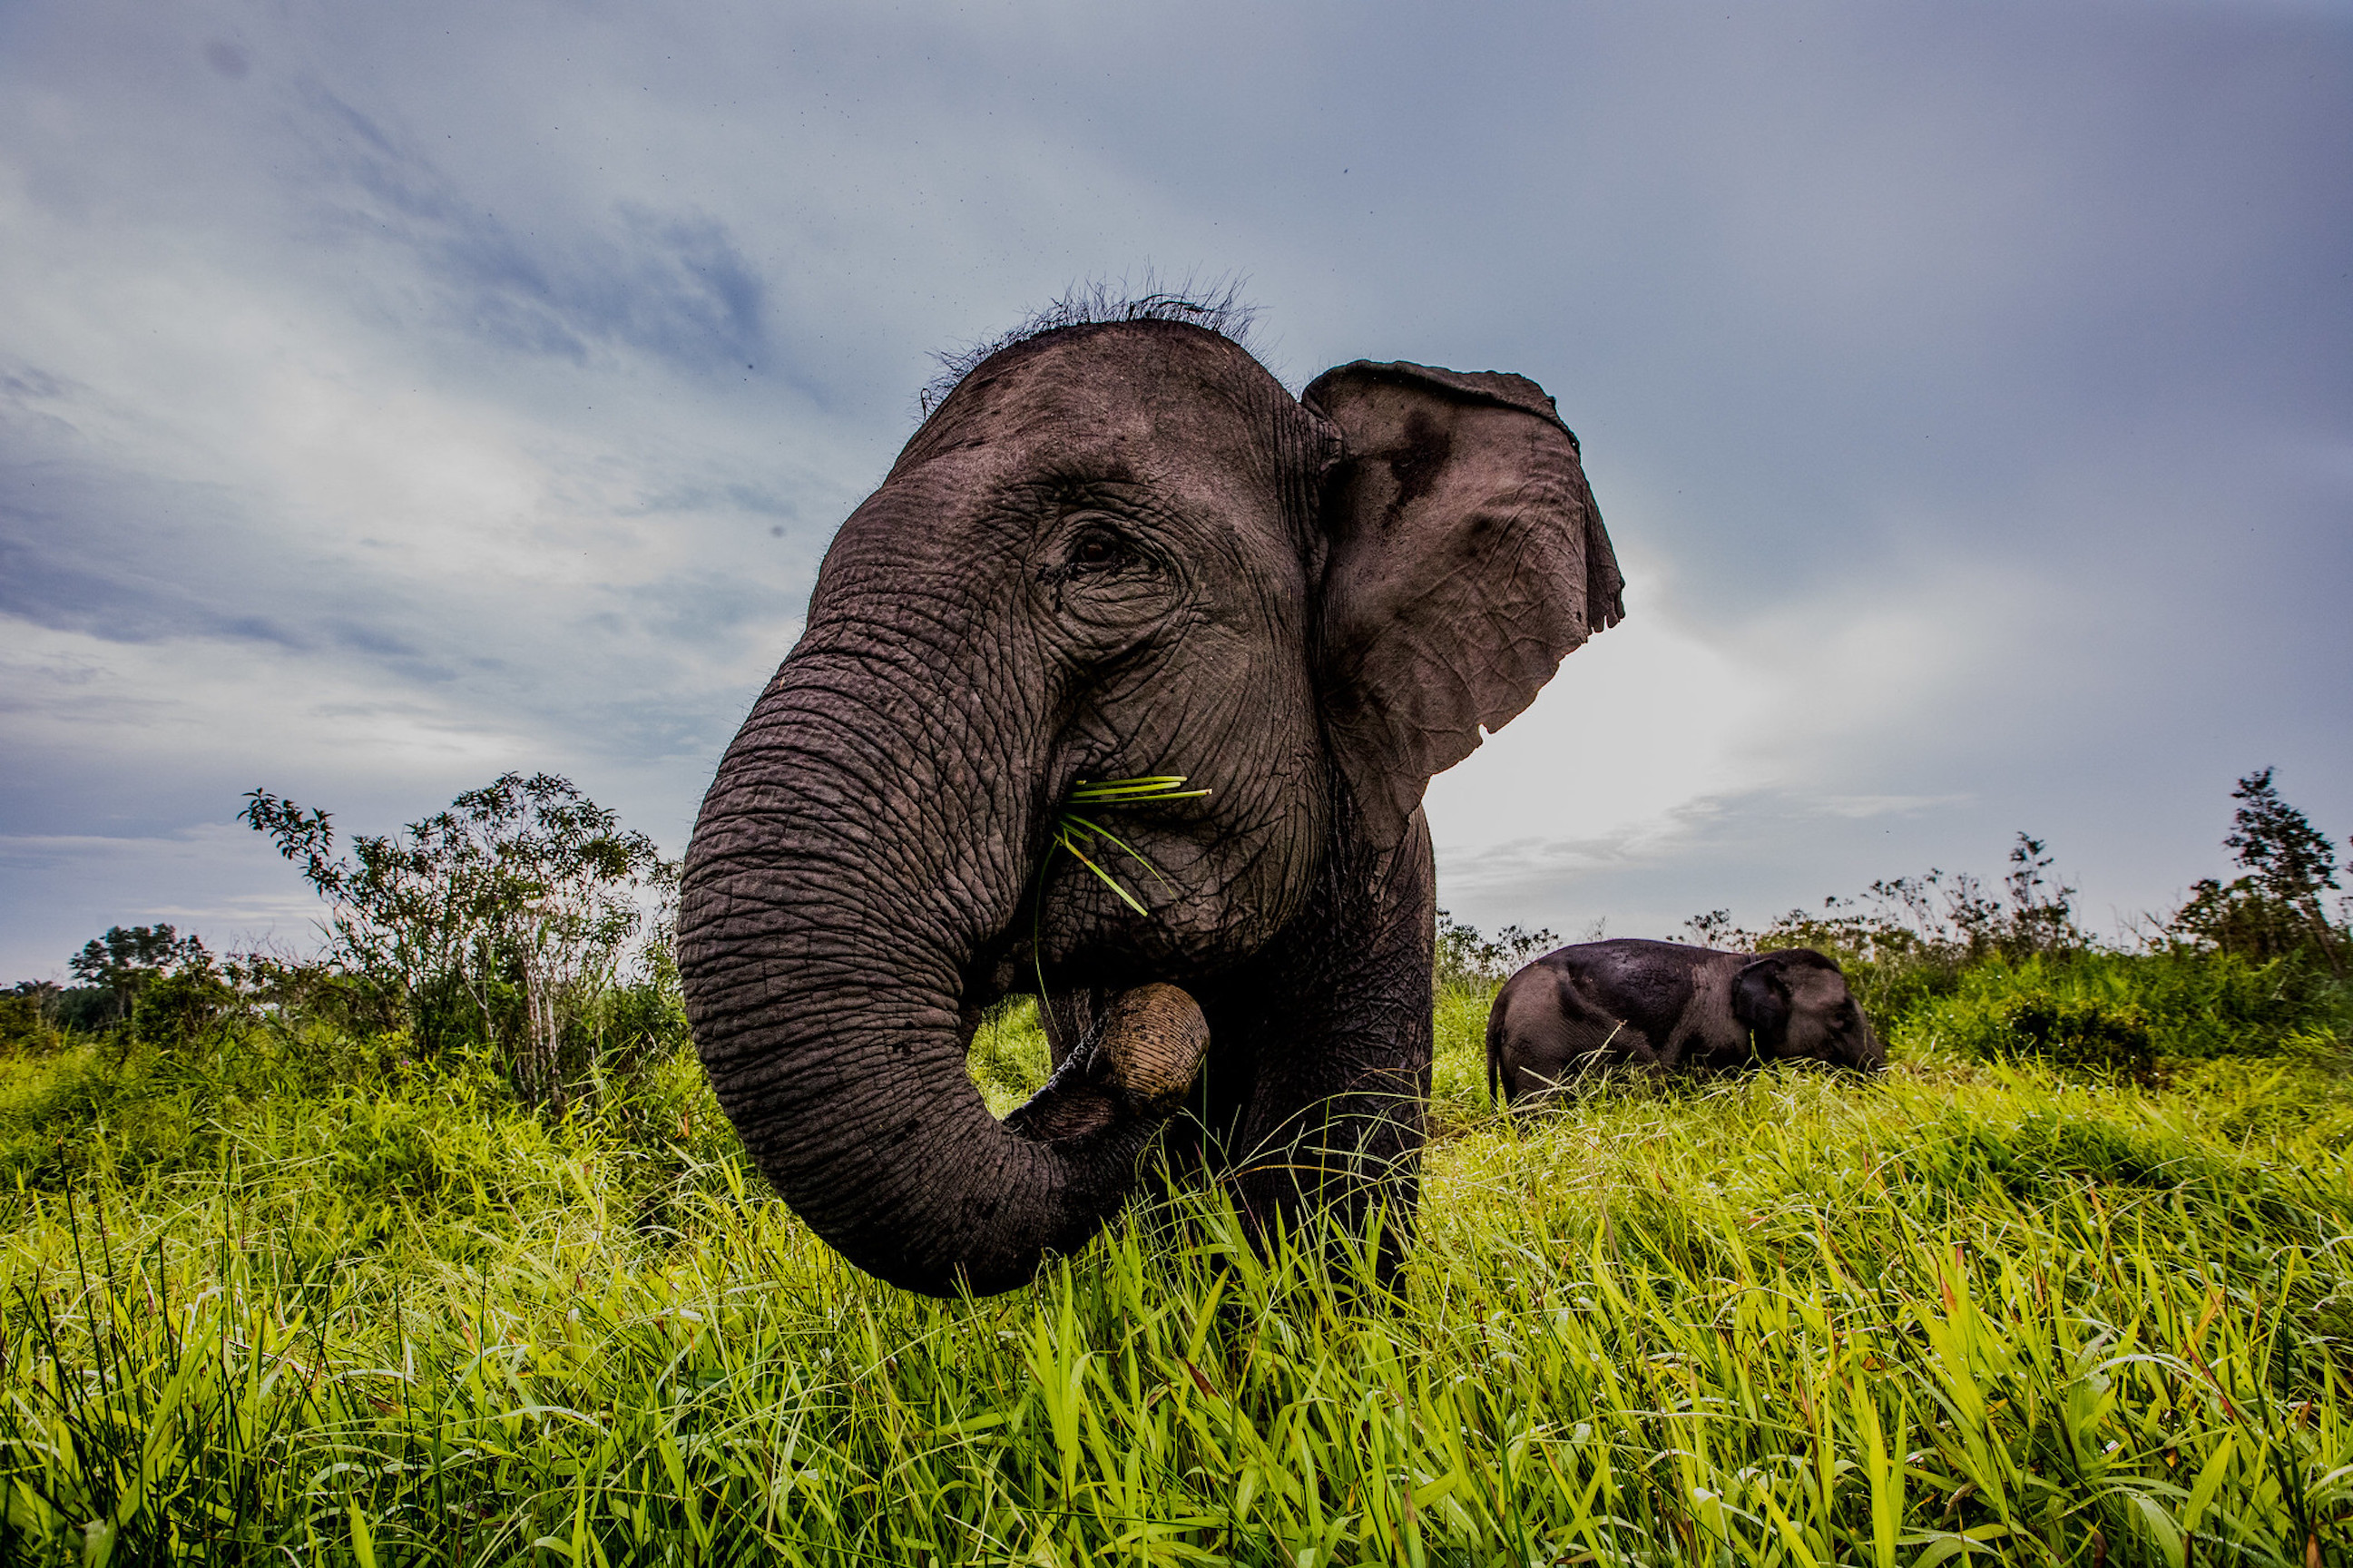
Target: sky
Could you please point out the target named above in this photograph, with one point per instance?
(394, 396)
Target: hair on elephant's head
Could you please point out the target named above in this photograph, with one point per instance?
(1795, 1004)
(1115, 548)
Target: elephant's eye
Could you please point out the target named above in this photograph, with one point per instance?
(1098, 574)
(1095, 550)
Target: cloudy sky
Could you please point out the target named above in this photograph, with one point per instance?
(392, 395)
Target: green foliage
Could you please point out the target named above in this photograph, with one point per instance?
(25, 1027)
(277, 1284)
(2293, 859)
(503, 922)
(1459, 1070)
(2079, 1036)
(122, 963)
(1467, 959)
(2238, 916)
(177, 1009)
(2107, 1013)
(91, 1110)
(2274, 909)
(1908, 939)
(80, 1009)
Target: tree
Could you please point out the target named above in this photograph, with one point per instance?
(126, 958)
(2275, 908)
(2292, 860)
(524, 889)
(2041, 917)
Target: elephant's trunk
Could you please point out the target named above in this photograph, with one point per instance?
(849, 863)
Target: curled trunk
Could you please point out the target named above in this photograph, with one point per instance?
(827, 929)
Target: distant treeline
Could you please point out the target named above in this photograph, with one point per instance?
(525, 928)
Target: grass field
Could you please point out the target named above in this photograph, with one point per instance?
(258, 1311)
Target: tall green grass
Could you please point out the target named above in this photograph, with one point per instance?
(1968, 1311)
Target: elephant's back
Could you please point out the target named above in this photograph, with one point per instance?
(1553, 1017)
(1649, 983)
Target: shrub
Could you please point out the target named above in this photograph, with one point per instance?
(89, 1110)
(503, 921)
(80, 1009)
(25, 1026)
(2081, 1037)
(1466, 959)
(2101, 1014)
(1910, 939)
(177, 1009)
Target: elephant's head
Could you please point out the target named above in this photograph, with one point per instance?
(1114, 550)
(1795, 1004)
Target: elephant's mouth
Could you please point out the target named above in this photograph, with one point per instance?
(1071, 965)
(1076, 938)
(1125, 1038)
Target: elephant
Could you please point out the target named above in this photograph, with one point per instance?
(1670, 1008)
(1118, 548)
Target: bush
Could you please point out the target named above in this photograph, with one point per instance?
(1466, 959)
(2094, 1038)
(504, 921)
(91, 1110)
(25, 1026)
(1908, 939)
(178, 1008)
(2100, 1014)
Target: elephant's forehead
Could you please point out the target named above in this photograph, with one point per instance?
(1822, 986)
(1143, 401)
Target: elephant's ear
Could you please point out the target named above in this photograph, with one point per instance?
(1465, 559)
(1760, 1001)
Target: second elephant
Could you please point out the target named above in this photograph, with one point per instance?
(1668, 1007)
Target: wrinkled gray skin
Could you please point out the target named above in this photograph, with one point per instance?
(1118, 550)
(1668, 1007)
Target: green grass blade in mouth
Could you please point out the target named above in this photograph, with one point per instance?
(1071, 820)
(1159, 787)
(1077, 834)
(1068, 839)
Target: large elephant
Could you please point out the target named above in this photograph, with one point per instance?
(1670, 1008)
(1119, 549)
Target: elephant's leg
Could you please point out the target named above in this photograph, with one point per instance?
(1338, 1032)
